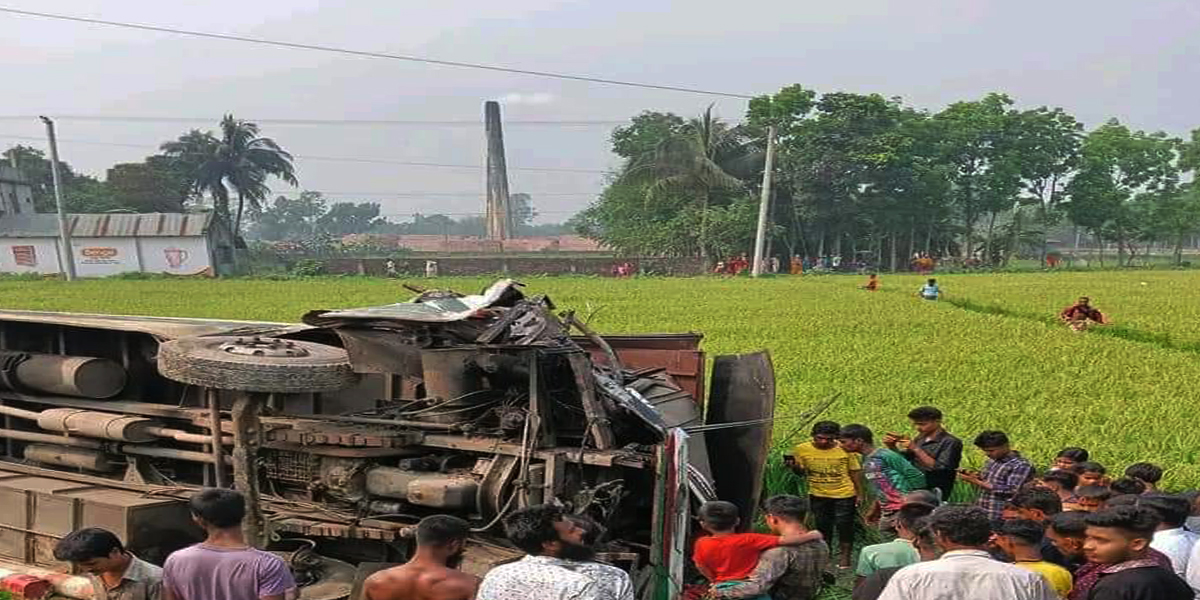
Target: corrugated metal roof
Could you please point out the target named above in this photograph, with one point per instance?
(108, 225)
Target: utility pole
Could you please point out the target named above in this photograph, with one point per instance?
(499, 213)
(64, 235)
(764, 206)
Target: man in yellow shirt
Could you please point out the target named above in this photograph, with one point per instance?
(1021, 539)
(833, 485)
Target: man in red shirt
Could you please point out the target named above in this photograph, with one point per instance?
(727, 557)
(1081, 315)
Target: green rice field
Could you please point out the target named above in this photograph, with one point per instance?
(990, 354)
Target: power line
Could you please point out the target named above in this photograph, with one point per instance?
(363, 53)
(382, 161)
(438, 194)
(333, 122)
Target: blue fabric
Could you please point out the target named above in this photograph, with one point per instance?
(725, 585)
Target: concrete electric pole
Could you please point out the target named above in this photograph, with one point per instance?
(499, 212)
(64, 233)
(764, 207)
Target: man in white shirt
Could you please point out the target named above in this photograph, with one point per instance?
(558, 565)
(1171, 538)
(965, 571)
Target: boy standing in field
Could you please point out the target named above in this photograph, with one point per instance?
(888, 473)
(833, 485)
(725, 557)
(1003, 474)
(872, 283)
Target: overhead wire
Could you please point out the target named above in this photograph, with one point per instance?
(382, 161)
(369, 54)
(322, 122)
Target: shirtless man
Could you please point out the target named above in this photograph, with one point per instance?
(430, 574)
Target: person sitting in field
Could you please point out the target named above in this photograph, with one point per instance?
(872, 283)
(1067, 458)
(1022, 539)
(1147, 473)
(1092, 473)
(930, 290)
(726, 558)
(1093, 497)
(1082, 315)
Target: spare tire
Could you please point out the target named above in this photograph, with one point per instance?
(252, 364)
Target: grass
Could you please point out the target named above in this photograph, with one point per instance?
(991, 355)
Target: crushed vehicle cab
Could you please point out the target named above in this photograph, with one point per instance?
(346, 430)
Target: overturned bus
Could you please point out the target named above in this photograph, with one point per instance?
(345, 430)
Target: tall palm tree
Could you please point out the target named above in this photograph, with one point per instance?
(239, 161)
(706, 158)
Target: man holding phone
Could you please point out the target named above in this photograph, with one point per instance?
(934, 451)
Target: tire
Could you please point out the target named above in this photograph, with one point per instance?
(202, 362)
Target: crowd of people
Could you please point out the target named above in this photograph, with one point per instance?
(1069, 530)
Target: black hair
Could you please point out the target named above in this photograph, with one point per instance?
(219, 507)
(441, 530)
(859, 432)
(792, 508)
(1040, 498)
(991, 439)
(1024, 531)
(961, 524)
(932, 281)
(826, 428)
(923, 497)
(528, 528)
(1127, 485)
(1067, 479)
(1138, 521)
(923, 533)
(1172, 510)
(592, 531)
(1145, 471)
(1095, 492)
(1090, 466)
(911, 512)
(86, 544)
(1123, 500)
(720, 515)
(1074, 453)
(925, 413)
(1071, 523)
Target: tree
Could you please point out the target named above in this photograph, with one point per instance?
(1048, 150)
(154, 185)
(1118, 166)
(81, 193)
(700, 163)
(979, 144)
(238, 161)
(523, 212)
(289, 218)
(645, 132)
(346, 218)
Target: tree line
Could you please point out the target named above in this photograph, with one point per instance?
(864, 175)
(229, 172)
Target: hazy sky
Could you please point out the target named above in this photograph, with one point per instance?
(1135, 60)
